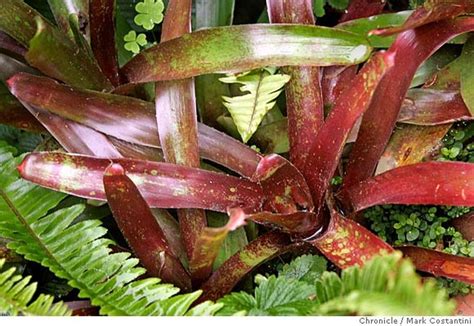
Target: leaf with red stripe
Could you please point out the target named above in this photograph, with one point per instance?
(297, 223)
(423, 106)
(175, 108)
(304, 102)
(284, 186)
(441, 264)
(410, 49)
(431, 11)
(230, 49)
(141, 230)
(162, 185)
(105, 113)
(223, 280)
(346, 243)
(429, 183)
(326, 151)
(208, 244)
(102, 32)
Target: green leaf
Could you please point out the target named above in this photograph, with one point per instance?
(213, 13)
(235, 240)
(318, 8)
(134, 41)
(433, 65)
(78, 252)
(150, 13)
(262, 88)
(467, 74)
(230, 49)
(275, 296)
(339, 4)
(363, 26)
(386, 285)
(16, 294)
(306, 268)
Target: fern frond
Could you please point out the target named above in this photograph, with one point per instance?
(16, 294)
(262, 87)
(79, 252)
(384, 286)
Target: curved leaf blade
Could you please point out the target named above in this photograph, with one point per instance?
(141, 230)
(246, 47)
(431, 11)
(426, 107)
(346, 243)
(103, 112)
(441, 264)
(434, 183)
(231, 272)
(411, 48)
(327, 148)
(304, 103)
(163, 185)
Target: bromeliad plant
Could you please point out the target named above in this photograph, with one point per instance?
(143, 157)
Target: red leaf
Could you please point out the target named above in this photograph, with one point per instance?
(141, 230)
(410, 49)
(298, 223)
(431, 11)
(175, 104)
(304, 101)
(441, 264)
(74, 137)
(363, 8)
(208, 243)
(430, 183)
(102, 31)
(346, 243)
(12, 113)
(465, 225)
(105, 112)
(82, 308)
(285, 188)
(335, 81)
(10, 44)
(432, 107)
(327, 148)
(223, 280)
(465, 305)
(162, 185)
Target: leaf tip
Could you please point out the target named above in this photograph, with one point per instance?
(114, 169)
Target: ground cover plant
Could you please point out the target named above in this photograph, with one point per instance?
(296, 157)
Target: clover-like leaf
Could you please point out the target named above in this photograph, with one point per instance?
(150, 12)
(134, 41)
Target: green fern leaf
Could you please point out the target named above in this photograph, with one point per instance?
(384, 286)
(16, 293)
(78, 252)
(262, 87)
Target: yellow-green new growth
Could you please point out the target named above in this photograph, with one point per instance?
(262, 86)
